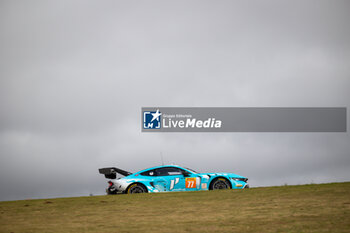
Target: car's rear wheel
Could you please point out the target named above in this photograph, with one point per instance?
(219, 183)
(136, 188)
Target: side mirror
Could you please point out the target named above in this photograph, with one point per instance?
(185, 173)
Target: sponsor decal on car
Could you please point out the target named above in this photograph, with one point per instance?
(190, 183)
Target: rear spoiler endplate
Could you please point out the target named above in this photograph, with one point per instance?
(111, 172)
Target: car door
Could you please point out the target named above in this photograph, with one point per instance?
(172, 177)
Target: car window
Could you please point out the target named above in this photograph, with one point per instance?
(168, 171)
(148, 173)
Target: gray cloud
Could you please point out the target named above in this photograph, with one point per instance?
(74, 76)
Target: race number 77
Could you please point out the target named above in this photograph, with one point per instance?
(190, 183)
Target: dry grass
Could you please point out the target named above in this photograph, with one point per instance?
(304, 208)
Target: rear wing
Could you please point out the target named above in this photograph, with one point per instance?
(111, 172)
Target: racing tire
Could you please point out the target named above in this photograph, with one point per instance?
(219, 183)
(136, 188)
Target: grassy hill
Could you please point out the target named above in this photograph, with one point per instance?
(303, 208)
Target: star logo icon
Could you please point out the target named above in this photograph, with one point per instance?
(156, 115)
(152, 119)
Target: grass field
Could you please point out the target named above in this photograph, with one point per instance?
(303, 208)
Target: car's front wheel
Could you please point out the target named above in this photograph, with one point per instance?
(219, 183)
(136, 188)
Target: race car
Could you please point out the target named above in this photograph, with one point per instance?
(169, 178)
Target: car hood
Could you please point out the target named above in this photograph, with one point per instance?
(222, 174)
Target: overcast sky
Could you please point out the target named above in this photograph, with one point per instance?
(75, 74)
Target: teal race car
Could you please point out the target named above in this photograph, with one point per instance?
(169, 178)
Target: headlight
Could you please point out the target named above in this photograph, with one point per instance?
(240, 179)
